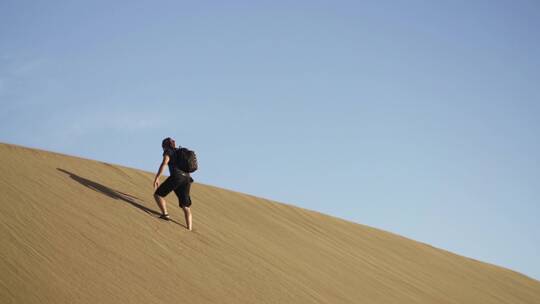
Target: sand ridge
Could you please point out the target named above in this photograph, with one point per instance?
(75, 230)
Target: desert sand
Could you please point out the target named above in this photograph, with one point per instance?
(74, 230)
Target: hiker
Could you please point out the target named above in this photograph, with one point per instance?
(179, 181)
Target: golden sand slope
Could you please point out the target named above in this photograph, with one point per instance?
(79, 231)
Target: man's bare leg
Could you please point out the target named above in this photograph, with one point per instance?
(161, 204)
(189, 219)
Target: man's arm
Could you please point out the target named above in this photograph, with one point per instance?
(160, 170)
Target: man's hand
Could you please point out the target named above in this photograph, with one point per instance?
(160, 170)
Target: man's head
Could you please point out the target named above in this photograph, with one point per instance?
(168, 143)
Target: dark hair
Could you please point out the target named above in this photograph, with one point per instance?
(166, 142)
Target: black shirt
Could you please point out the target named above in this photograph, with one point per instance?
(173, 168)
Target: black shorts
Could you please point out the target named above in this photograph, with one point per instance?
(181, 185)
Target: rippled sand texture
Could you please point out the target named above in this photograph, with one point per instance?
(80, 231)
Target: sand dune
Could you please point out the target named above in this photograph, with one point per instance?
(80, 231)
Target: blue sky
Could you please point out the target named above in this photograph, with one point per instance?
(416, 117)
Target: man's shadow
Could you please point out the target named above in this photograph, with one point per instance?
(132, 200)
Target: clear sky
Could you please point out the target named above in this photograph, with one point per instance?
(416, 117)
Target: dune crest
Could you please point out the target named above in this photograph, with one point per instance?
(81, 231)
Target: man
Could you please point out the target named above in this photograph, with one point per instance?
(178, 181)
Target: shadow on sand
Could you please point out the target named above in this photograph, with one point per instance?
(132, 200)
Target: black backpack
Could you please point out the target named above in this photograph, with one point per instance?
(186, 160)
